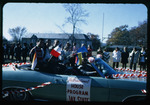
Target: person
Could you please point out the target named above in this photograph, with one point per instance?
(85, 67)
(116, 57)
(56, 43)
(100, 52)
(4, 51)
(142, 59)
(50, 62)
(53, 61)
(61, 57)
(39, 53)
(47, 50)
(89, 53)
(30, 47)
(24, 52)
(84, 54)
(17, 51)
(12, 51)
(134, 55)
(67, 54)
(8, 50)
(74, 49)
(124, 57)
(106, 56)
(74, 52)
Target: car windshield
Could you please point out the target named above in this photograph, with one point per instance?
(103, 68)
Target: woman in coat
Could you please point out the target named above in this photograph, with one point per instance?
(142, 59)
(116, 57)
(134, 55)
(124, 57)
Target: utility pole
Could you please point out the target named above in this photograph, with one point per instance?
(103, 29)
(102, 26)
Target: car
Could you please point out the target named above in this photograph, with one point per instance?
(100, 83)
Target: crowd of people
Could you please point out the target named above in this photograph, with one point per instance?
(16, 51)
(134, 57)
(43, 49)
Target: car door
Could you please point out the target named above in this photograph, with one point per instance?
(83, 88)
(75, 88)
(72, 88)
(99, 89)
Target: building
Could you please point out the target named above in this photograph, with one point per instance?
(63, 38)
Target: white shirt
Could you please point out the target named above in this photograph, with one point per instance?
(142, 59)
(116, 56)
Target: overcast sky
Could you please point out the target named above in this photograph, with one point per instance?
(44, 18)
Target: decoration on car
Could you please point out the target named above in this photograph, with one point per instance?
(78, 89)
(144, 91)
(13, 64)
(130, 70)
(129, 75)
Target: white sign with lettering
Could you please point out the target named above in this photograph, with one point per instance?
(78, 89)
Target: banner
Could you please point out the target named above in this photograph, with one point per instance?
(78, 89)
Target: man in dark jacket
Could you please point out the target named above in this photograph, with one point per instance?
(24, 52)
(124, 57)
(18, 52)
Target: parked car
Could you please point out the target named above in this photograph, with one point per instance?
(99, 83)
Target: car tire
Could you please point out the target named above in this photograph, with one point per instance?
(13, 94)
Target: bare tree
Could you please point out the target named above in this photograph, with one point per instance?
(77, 16)
(17, 33)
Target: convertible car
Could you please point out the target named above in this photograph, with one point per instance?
(99, 82)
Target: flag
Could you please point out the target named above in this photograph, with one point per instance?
(34, 61)
(56, 51)
(78, 59)
(80, 55)
(82, 49)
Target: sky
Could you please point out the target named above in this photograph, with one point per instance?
(46, 17)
